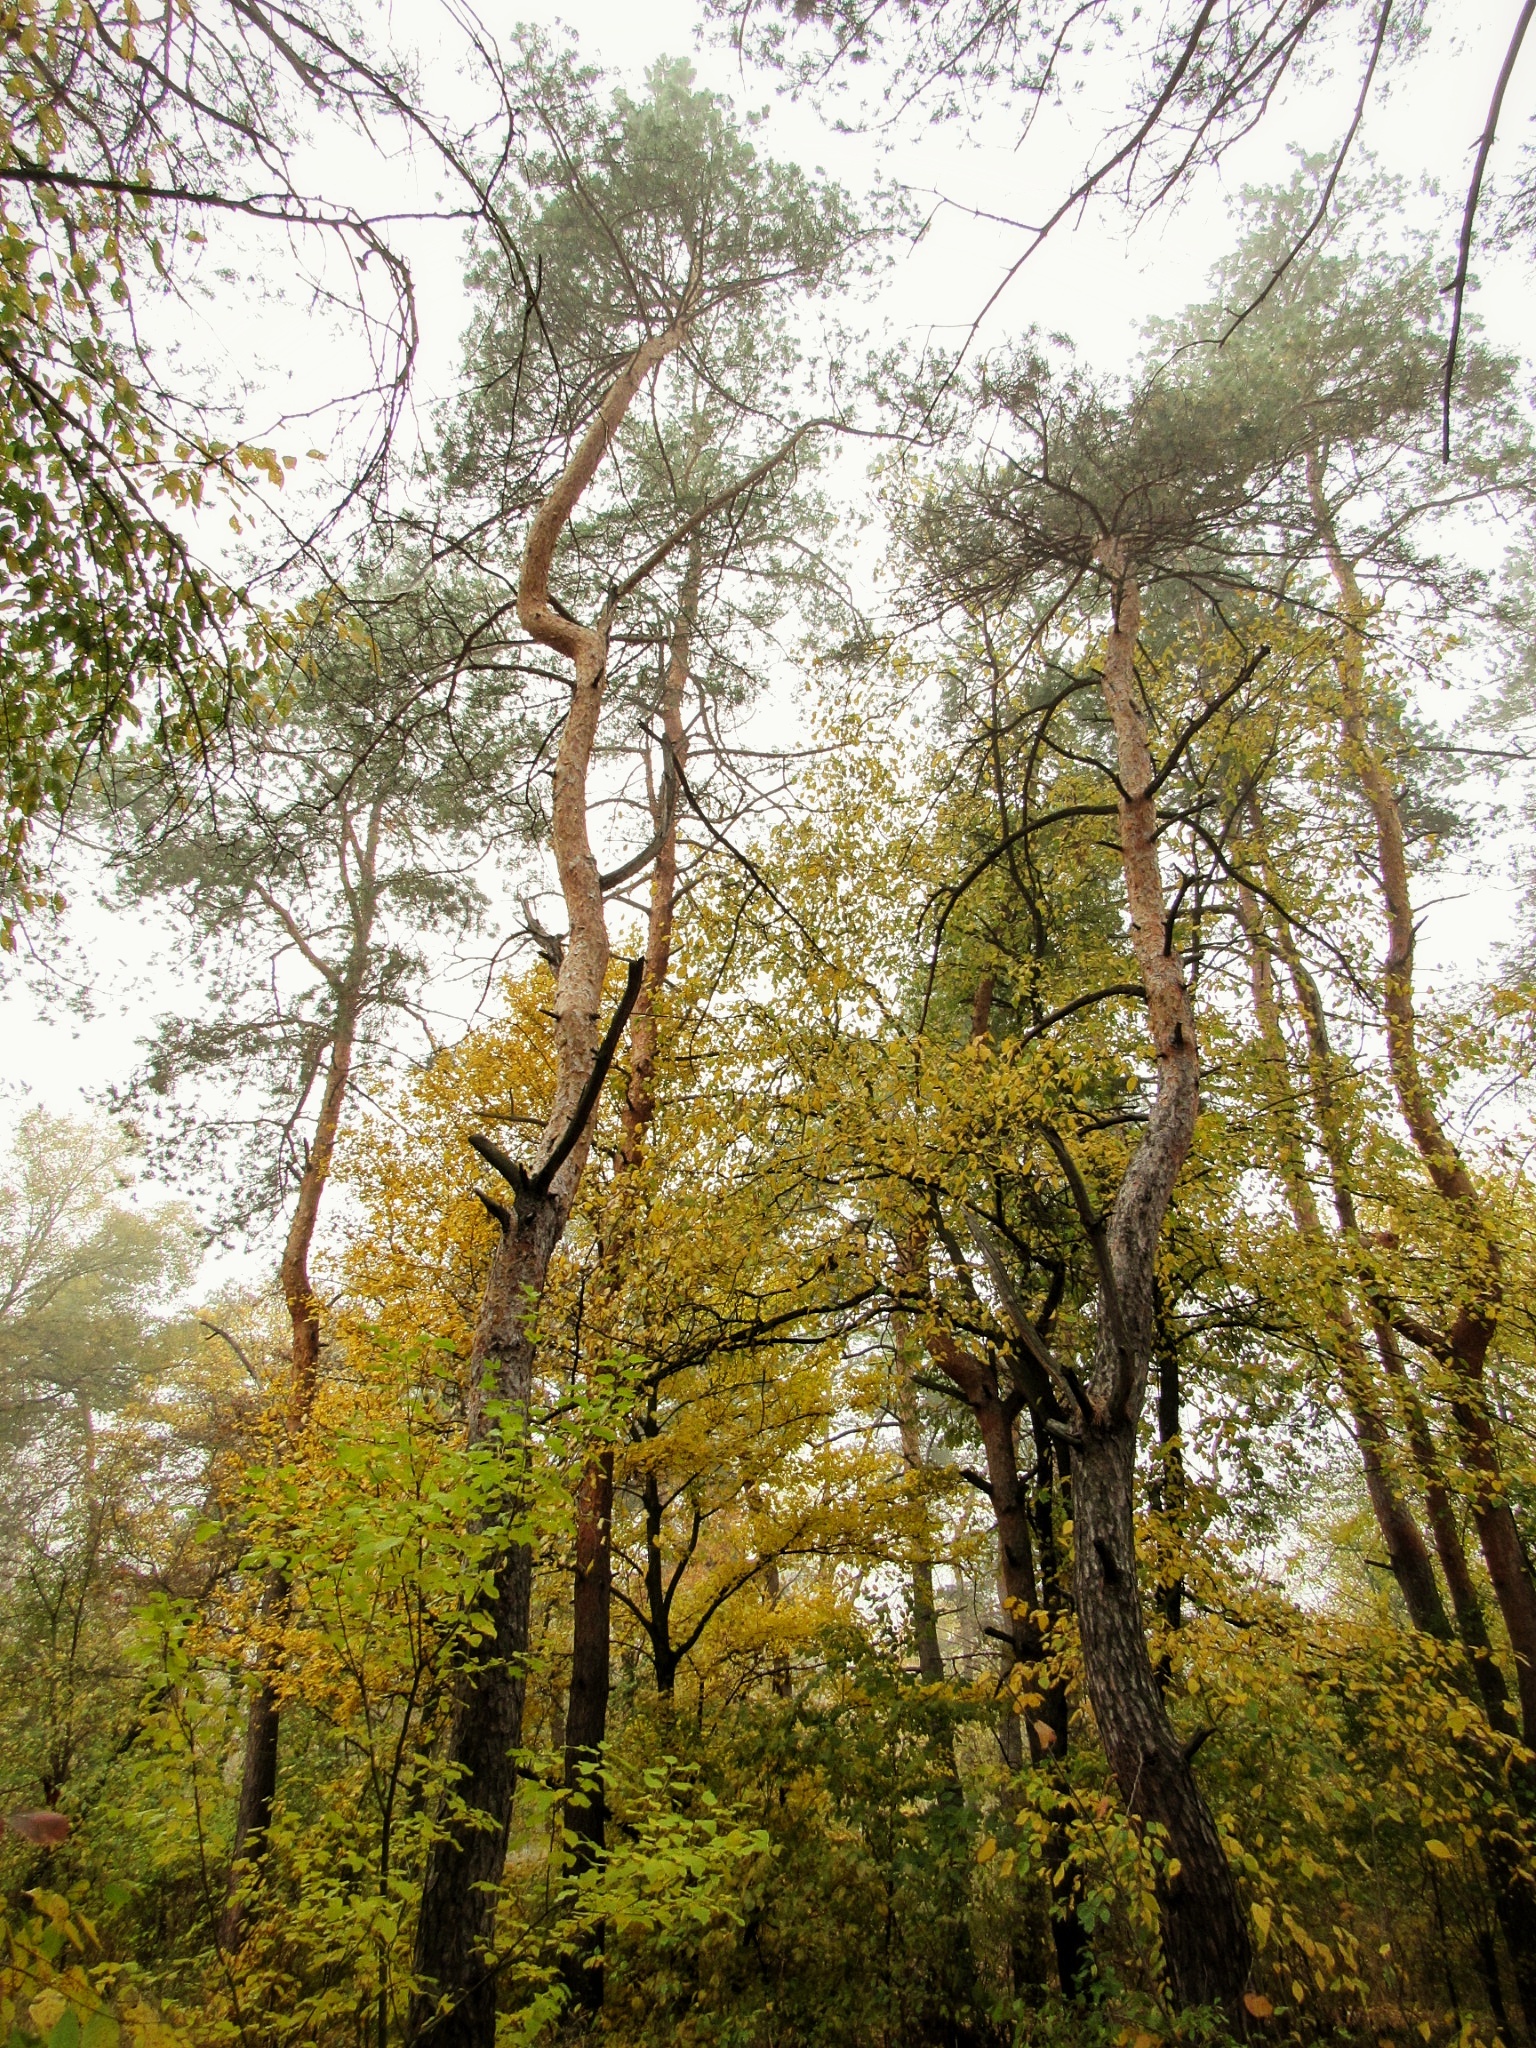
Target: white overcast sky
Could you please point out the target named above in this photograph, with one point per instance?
(1094, 281)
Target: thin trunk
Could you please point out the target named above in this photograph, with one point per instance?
(1477, 1255)
(1046, 1726)
(773, 1591)
(258, 1766)
(925, 1620)
(455, 1931)
(1168, 1492)
(1205, 1936)
(664, 1661)
(1503, 1855)
(591, 1652)
(1322, 1069)
(1407, 1552)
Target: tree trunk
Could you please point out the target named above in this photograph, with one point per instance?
(1046, 1726)
(1503, 1855)
(1205, 1937)
(455, 1934)
(1477, 1258)
(1407, 1552)
(258, 1768)
(587, 1716)
(1466, 1603)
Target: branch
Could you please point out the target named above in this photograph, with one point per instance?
(1093, 1227)
(658, 838)
(540, 1182)
(1458, 285)
(1013, 1306)
(718, 503)
(1246, 674)
(512, 1172)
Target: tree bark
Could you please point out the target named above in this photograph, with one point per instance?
(1477, 1258)
(455, 1935)
(1205, 1937)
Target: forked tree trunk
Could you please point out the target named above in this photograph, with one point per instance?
(1205, 1937)
(456, 2004)
(258, 1764)
(1476, 1260)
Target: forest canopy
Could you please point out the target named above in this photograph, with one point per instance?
(800, 1315)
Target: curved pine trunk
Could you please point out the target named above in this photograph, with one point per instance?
(455, 1933)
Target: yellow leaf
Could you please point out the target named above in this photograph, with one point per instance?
(47, 2009)
(1261, 1920)
(1438, 1850)
(987, 1850)
(1258, 2005)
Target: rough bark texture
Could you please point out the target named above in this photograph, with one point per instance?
(456, 2007)
(1205, 1937)
(1478, 1259)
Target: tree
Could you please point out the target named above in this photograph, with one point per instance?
(1094, 493)
(345, 835)
(657, 221)
(92, 1367)
(130, 141)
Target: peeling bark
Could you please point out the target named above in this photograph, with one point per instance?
(1205, 1937)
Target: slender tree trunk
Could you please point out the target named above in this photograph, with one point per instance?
(1205, 1937)
(1477, 1258)
(1407, 1552)
(1322, 1069)
(587, 1716)
(1046, 1726)
(1504, 1854)
(925, 1617)
(925, 1621)
(455, 1933)
(258, 1766)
